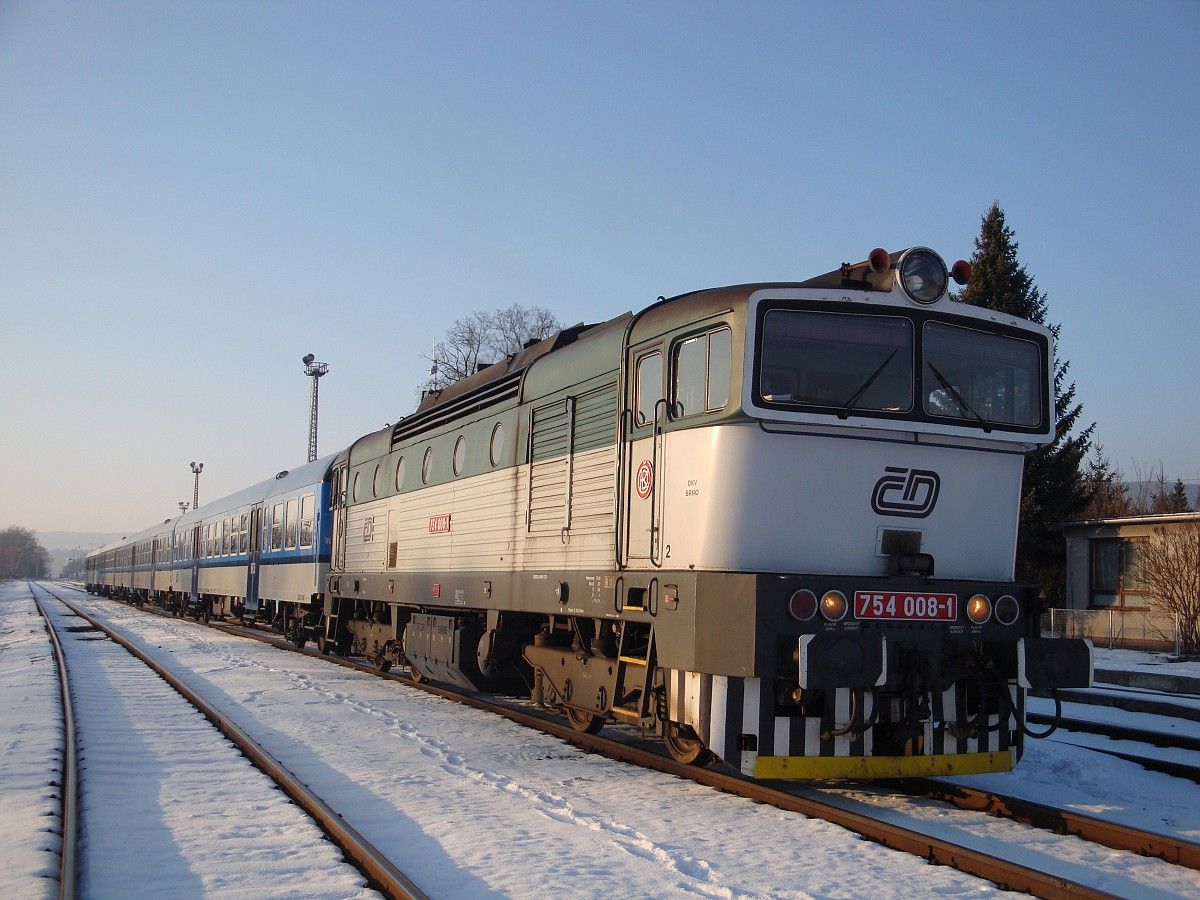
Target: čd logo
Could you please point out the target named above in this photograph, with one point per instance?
(906, 492)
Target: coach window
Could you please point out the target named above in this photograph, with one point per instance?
(460, 455)
(427, 466)
(225, 529)
(245, 532)
(289, 525)
(277, 527)
(649, 387)
(400, 473)
(496, 451)
(306, 520)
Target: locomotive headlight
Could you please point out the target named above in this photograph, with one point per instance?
(1007, 610)
(979, 609)
(923, 275)
(802, 605)
(834, 605)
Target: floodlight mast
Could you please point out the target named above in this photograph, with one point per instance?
(197, 468)
(314, 370)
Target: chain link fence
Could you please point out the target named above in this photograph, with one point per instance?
(1123, 629)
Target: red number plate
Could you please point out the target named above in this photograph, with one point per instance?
(895, 605)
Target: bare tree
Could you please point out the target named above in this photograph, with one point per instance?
(21, 555)
(1170, 567)
(483, 338)
(515, 326)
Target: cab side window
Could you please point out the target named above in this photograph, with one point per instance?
(649, 388)
(701, 374)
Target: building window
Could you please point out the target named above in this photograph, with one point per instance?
(1116, 577)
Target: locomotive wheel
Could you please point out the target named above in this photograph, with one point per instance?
(684, 746)
(382, 663)
(324, 644)
(299, 637)
(584, 722)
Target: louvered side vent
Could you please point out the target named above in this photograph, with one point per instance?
(488, 395)
(393, 547)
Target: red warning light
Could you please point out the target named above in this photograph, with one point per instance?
(961, 272)
(879, 260)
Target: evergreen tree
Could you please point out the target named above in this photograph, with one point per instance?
(1174, 501)
(1055, 488)
(1109, 498)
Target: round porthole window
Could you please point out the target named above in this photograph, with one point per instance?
(400, 473)
(496, 451)
(427, 465)
(460, 455)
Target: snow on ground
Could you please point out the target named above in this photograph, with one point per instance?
(469, 805)
(168, 807)
(1145, 661)
(30, 749)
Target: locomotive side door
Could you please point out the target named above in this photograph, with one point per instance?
(337, 501)
(642, 456)
(252, 561)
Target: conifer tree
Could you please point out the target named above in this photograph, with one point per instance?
(1055, 488)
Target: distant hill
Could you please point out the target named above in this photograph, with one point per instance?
(1142, 491)
(62, 545)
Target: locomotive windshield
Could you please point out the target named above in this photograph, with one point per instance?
(847, 362)
(988, 378)
(877, 365)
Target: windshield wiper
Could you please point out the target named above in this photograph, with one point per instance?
(959, 398)
(845, 413)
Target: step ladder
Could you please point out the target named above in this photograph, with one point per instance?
(635, 670)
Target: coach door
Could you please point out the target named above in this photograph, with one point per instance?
(642, 459)
(252, 562)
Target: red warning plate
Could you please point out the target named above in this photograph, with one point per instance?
(900, 605)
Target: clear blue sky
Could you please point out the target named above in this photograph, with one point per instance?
(194, 195)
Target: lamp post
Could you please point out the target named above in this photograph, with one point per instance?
(314, 370)
(197, 468)
(183, 506)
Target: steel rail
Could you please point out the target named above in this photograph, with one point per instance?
(70, 772)
(1005, 873)
(378, 869)
(1061, 821)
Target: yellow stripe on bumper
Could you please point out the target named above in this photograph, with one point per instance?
(796, 767)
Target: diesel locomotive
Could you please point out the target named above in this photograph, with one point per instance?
(773, 523)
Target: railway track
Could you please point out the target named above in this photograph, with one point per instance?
(1003, 872)
(379, 872)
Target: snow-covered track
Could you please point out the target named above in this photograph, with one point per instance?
(992, 867)
(1060, 821)
(380, 871)
(70, 770)
(1120, 732)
